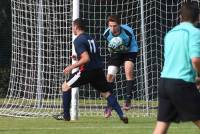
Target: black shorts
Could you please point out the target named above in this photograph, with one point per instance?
(178, 101)
(118, 59)
(95, 77)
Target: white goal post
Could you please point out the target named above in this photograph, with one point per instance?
(42, 43)
(75, 93)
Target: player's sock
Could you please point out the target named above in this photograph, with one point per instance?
(115, 105)
(111, 87)
(129, 89)
(108, 109)
(66, 104)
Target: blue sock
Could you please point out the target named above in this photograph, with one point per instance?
(115, 105)
(111, 87)
(66, 103)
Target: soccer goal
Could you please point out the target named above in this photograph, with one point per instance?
(42, 46)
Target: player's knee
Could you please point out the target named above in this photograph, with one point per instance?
(110, 78)
(105, 94)
(112, 71)
(65, 87)
(129, 76)
(129, 70)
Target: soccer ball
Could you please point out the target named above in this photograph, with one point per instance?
(116, 44)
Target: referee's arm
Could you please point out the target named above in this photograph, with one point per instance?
(196, 64)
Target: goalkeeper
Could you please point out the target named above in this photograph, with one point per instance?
(124, 53)
(90, 71)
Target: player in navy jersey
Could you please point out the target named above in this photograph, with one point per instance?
(126, 57)
(90, 71)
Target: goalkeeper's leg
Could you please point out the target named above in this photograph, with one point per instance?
(128, 66)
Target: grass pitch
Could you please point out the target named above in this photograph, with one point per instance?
(88, 125)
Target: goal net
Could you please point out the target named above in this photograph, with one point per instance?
(42, 45)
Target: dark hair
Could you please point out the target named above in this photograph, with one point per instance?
(80, 23)
(113, 18)
(190, 11)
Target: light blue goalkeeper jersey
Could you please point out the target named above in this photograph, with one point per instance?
(126, 34)
(181, 44)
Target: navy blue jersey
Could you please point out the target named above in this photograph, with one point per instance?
(86, 43)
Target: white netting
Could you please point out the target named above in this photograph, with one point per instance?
(156, 18)
(41, 40)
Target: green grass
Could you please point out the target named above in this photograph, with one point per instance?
(87, 125)
(57, 101)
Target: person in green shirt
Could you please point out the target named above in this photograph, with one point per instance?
(179, 98)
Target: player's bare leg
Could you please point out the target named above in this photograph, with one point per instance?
(161, 127)
(197, 123)
(110, 78)
(128, 67)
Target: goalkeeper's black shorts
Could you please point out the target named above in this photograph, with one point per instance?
(95, 77)
(178, 101)
(118, 59)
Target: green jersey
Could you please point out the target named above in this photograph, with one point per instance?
(181, 44)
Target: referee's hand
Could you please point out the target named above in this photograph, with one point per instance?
(198, 82)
